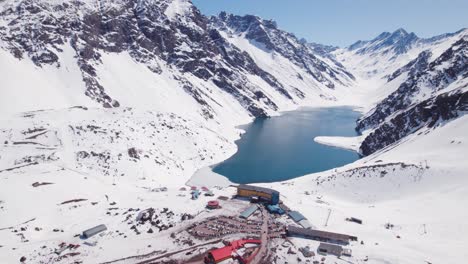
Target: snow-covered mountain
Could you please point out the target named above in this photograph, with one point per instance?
(111, 102)
(398, 42)
(434, 92)
(414, 83)
(389, 51)
(148, 59)
(178, 51)
(265, 35)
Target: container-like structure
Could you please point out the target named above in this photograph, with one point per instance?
(330, 249)
(275, 209)
(347, 252)
(94, 231)
(195, 194)
(355, 220)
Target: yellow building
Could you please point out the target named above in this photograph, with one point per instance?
(270, 195)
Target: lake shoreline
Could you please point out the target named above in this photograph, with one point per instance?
(281, 130)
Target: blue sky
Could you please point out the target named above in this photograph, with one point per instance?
(342, 22)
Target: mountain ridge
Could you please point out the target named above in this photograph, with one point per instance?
(150, 32)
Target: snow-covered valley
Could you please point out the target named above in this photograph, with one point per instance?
(99, 129)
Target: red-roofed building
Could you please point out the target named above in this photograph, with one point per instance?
(212, 205)
(227, 252)
(220, 254)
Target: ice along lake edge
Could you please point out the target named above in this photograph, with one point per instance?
(283, 147)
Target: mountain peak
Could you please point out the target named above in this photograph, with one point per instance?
(400, 31)
(402, 34)
(399, 41)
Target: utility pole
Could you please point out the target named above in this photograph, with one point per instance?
(328, 217)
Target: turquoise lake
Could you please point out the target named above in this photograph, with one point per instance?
(281, 148)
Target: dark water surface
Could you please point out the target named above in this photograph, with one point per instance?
(282, 148)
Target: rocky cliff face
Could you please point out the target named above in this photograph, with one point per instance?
(172, 38)
(435, 91)
(159, 34)
(429, 113)
(266, 34)
(398, 42)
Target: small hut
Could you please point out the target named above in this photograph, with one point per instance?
(209, 193)
(330, 249)
(195, 194)
(93, 231)
(212, 205)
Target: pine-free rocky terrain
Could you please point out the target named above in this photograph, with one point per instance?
(108, 108)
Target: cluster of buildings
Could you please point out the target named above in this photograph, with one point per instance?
(270, 198)
(195, 192)
(330, 243)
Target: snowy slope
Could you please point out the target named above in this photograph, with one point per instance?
(108, 103)
(178, 52)
(389, 51)
(121, 99)
(418, 185)
(414, 177)
(434, 91)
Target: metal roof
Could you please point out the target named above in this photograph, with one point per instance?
(275, 208)
(221, 254)
(305, 223)
(256, 188)
(296, 216)
(292, 230)
(213, 203)
(93, 231)
(249, 211)
(226, 252)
